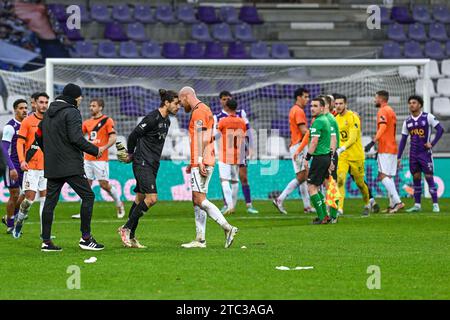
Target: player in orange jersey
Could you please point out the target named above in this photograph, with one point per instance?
(201, 167)
(298, 126)
(31, 161)
(100, 131)
(231, 149)
(387, 149)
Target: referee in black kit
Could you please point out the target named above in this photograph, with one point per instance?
(61, 139)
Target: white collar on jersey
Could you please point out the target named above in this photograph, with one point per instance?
(415, 119)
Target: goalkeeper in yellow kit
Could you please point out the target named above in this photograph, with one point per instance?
(350, 152)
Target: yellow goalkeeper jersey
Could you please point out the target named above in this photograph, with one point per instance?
(350, 130)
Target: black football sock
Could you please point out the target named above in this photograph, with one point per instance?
(136, 214)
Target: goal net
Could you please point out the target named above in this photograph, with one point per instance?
(263, 88)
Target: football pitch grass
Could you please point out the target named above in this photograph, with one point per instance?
(412, 252)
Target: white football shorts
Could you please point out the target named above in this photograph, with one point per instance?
(387, 164)
(200, 183)
(96, 170)
(34, 180)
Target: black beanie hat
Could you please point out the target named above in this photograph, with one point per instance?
(72, 90)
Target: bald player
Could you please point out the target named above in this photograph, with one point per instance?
(201, 168)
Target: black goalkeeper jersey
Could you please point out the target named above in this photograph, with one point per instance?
(146, 142)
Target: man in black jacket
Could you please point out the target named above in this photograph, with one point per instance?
(61, 139)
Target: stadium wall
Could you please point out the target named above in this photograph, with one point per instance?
(266, 177)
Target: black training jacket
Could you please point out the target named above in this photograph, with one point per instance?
(61, 139)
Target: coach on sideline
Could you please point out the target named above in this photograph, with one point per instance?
(61, 139)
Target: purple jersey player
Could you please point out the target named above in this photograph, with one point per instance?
(13, 175)
(419, 125)
(224, 96)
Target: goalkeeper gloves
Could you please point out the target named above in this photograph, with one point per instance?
(122, 153)
(369, 146)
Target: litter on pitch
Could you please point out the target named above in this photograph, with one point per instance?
(282, 268)
(296, 268)
(90, 260)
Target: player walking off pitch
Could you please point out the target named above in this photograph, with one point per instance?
(201, 168)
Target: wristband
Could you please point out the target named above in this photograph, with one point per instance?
(308, 156)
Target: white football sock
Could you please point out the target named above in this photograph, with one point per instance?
(390, 187)
(288, 190)
(200, 223)
(227, 194)
(305, 195)
(115, 195)
(41, 208)
(215, 214)
(234, 192)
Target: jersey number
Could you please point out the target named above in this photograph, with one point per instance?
(93, 136)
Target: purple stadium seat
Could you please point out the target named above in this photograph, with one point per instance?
(150, 50)
(250, 15)
(237, 50)
(73, 35)
(401, 14)
(385, 14)
(391, 50)
(200, 32)
(222, 32)
(421, 14)
(259, 50)
(229, 14)
(412, 49)
(165, 14)
(186, 13)
(214, 50)
(193, 50)
(114, 31)
(107, 49)
(83, 49)
(280, 51)
(437, 32)
(128, 49)
(441, 13)
(447, 48)
(122, 13)
(207, 14)
(100, 13)
(434, 50)
(396, 32)
(85, 15)
(136, 31)
(243, 32)
(172, 50)
(143, 13)
(58, 11)
(417, 32)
